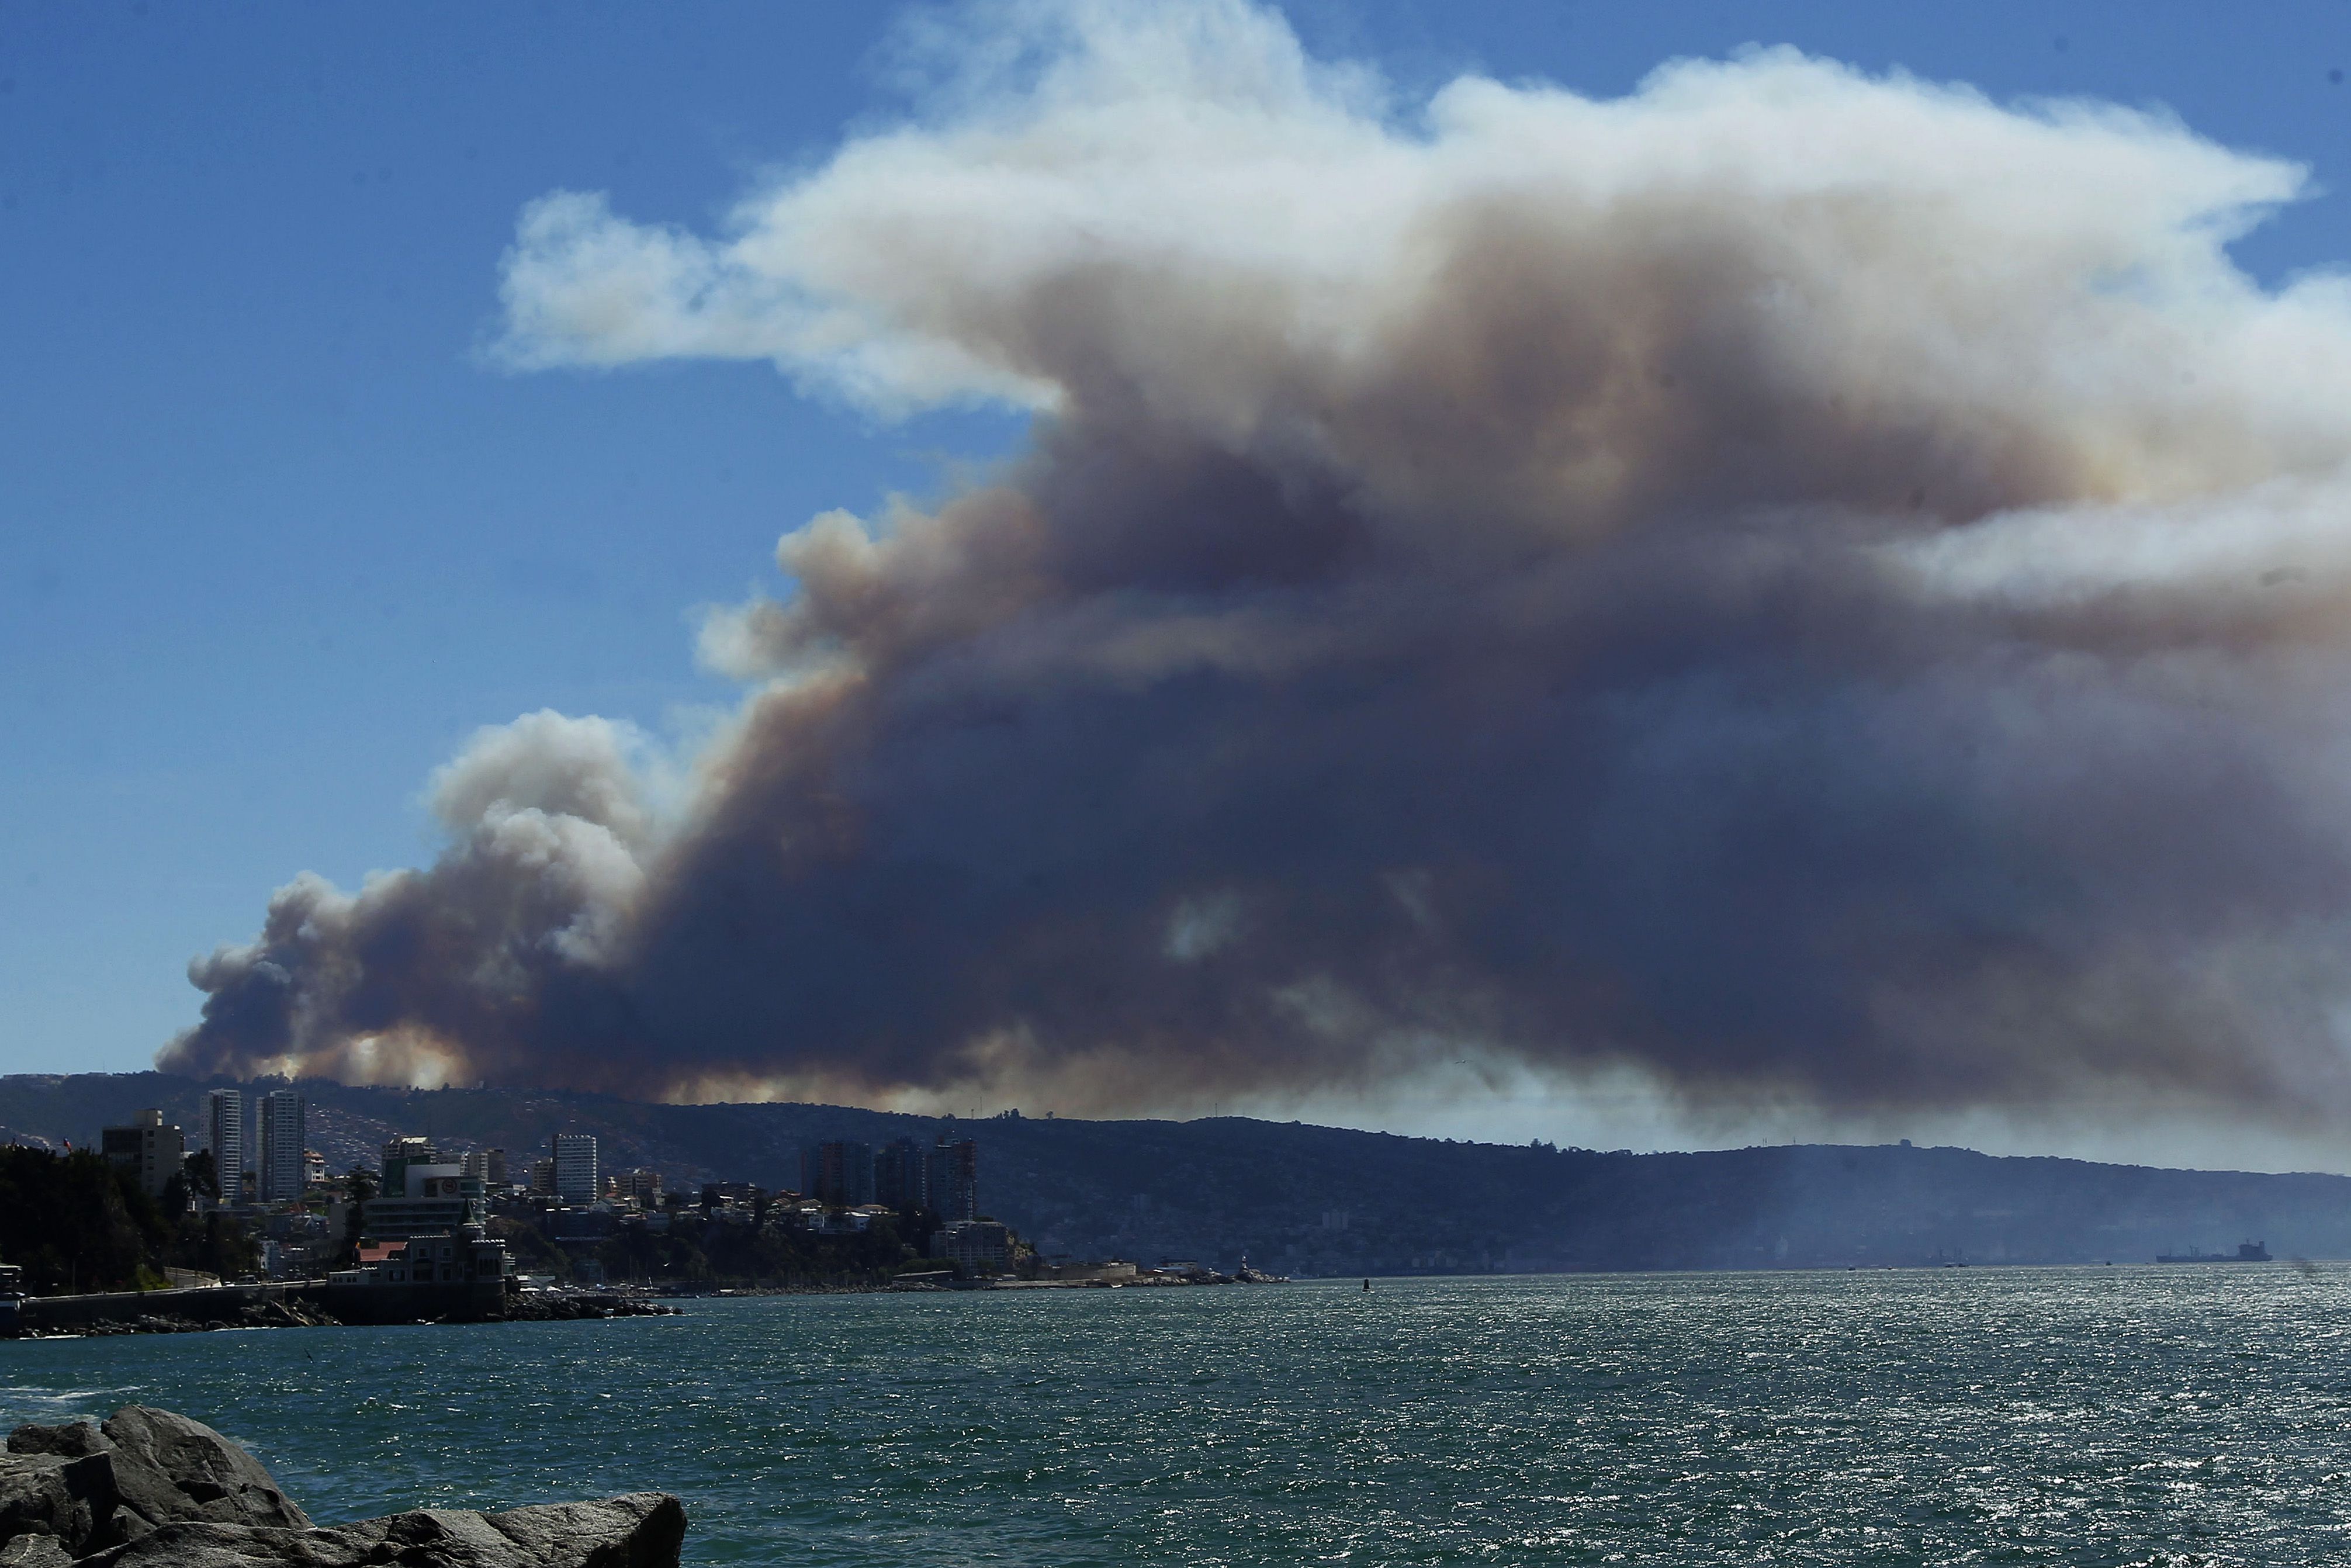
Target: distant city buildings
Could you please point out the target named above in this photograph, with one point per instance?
(902, 1174)
(150, 1145)
(642, 1186)
(840, 1174)
(430, 1197)
(575, 1168)
(224, 1138)
(974, 1243)
(401, 1153)
(898, 1171)
(281, 1145)
(951, 1178)
(431, 1204)
(723, 1196)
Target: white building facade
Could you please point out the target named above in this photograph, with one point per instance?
(279, 1148)
(224, 1137)
(576, 1176)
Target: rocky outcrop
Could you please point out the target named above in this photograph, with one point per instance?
(275, 1314)
(35, 1551)
(642, 1530)
(542, 1309)
(170, 1469)
(163, 1468)
(149, 1489)
(70, 1499)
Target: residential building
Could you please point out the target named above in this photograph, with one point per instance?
(224, 1137)
(898, 1171)
(542, 1178)
(487, 1166)
(644, 1185)
(399, 1153)
(718, 1196)
(430, 1198)
(576, 1180)
(974, 1243)
(951, 1178)
(150, 1145)
(840, 1174)
(314, 1168)
(295, 1244)
(279, 1148)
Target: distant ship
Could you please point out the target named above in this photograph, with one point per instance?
(2246, 1252)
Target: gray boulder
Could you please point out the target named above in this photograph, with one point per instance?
(74, 1439)
(169, 1469)
(642, 1530)
(69, 1499)
(35, 1551)
(153, 1489)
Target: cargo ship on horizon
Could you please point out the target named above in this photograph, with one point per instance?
(2246, 1252)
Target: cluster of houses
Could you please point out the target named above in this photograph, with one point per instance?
(424, 1217)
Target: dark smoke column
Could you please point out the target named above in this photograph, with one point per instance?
(1726, 582)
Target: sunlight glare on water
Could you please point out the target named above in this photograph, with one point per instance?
(2114, 1415)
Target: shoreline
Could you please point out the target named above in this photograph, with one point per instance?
(296, 1304)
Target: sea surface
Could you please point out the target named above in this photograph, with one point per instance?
(2069, 1415)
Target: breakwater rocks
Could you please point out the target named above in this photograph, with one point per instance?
(148, 1489)
(280, 1314)
(307, 1304)
(544, 1309)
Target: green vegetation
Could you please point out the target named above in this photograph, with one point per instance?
(76, 1222)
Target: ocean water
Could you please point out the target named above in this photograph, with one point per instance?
(2090, 1416)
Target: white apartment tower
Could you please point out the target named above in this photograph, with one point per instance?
(149, 1145)
(576, 1179)
(279, 1162)
(224, 1137)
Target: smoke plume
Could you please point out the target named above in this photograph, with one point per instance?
(1812, 585)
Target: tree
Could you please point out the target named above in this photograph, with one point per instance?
(202, 1175)
(360, 1184)
(78, 1221)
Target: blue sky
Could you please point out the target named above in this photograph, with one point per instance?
(274, 541)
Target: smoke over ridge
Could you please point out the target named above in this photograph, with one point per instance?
(1806, 584)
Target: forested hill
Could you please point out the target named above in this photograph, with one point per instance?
(1307, 1199)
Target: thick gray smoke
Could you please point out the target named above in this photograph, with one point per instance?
(1816, 586)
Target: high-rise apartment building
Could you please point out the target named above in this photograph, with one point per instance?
(224, 1137)
(576, 1180)
(399, 1153)
(279, 1144)
(839, 1174)
(487, 1166)
(150, 1145)
(898, 1176)
(645, 1185)
(951, 1178)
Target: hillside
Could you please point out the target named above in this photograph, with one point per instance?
(1325, 1200)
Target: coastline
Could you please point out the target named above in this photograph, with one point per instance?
(301, 1304)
